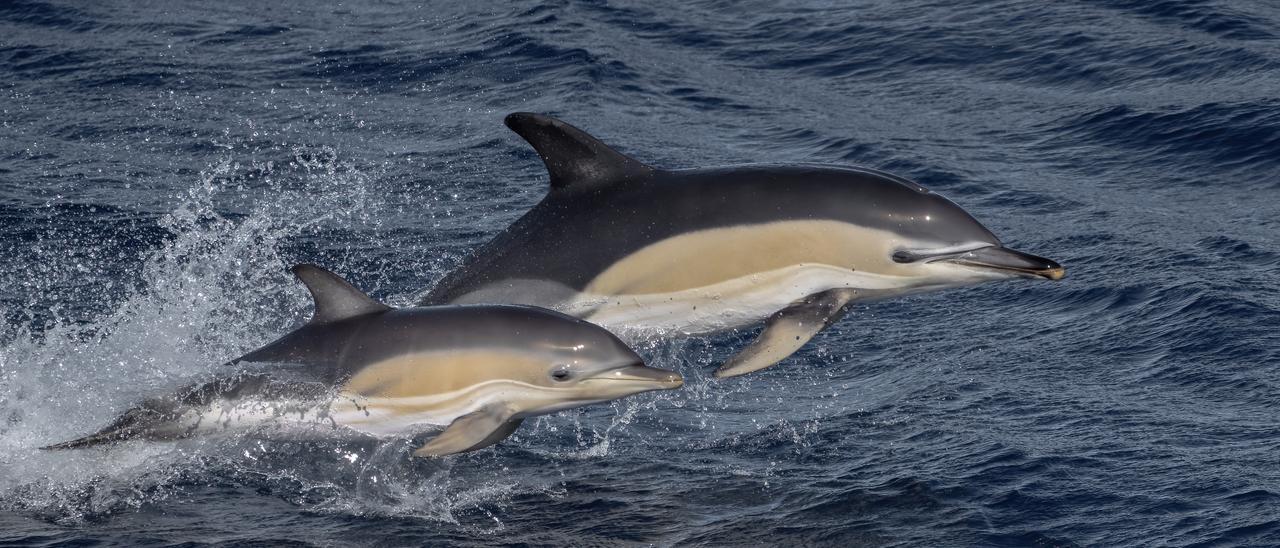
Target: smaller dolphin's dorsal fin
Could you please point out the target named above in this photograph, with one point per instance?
(574, 159)
(335, 298)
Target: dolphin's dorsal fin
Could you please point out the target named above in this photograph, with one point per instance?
(336, 299)
(575, 160)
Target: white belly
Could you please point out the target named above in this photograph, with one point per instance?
(383, 416)
(726, 305)
(396, 416)
(373, 416)
(227, 415)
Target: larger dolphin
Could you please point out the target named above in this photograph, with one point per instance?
(636, 248)
(363, 366)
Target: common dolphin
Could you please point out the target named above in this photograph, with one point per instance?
(636, 248)
(363, 366)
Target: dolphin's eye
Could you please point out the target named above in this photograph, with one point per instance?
(903, 256)
(561, 374)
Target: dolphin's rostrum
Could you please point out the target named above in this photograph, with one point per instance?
(363, 366)
(640, 249)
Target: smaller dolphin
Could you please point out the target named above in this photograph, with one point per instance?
(362, 366)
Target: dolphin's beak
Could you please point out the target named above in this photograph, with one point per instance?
(643, 373)
(1005, 259)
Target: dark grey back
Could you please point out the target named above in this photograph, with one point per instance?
(331, 352)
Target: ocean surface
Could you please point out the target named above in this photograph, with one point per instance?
(162, 164)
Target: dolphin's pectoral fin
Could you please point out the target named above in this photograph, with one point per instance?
(472, 431)
(787, 330)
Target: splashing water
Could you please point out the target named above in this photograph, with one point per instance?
(216, 287)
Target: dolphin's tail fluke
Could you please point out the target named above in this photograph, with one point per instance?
(136, 423)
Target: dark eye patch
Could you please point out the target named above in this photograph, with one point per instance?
(905, 256)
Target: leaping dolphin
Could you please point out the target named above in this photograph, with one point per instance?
(636, 248)
(361, 365)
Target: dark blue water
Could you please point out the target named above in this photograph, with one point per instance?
(163, 163)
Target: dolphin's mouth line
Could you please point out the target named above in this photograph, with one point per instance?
(934, 255)
(993, 257)
(673, 382)
(1050, 273)
(642, 374)
(676, 380)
